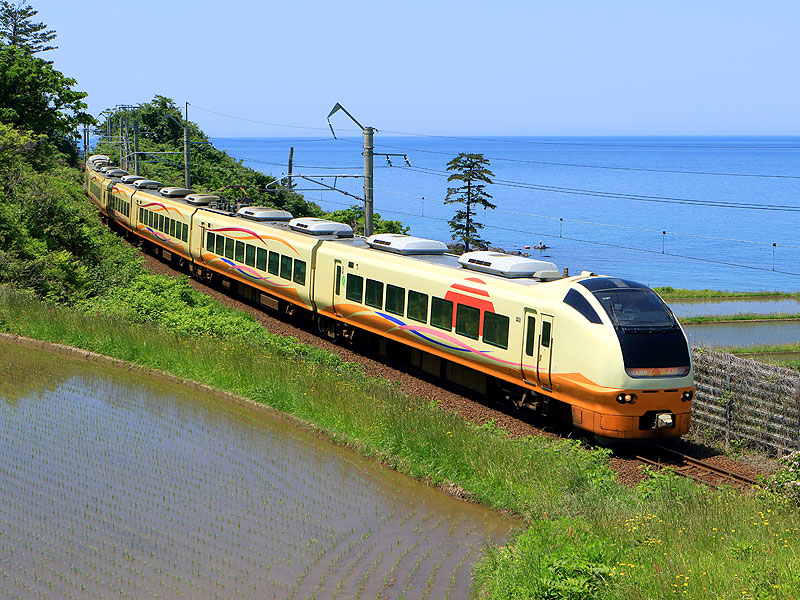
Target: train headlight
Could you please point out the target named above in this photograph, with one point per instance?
(687, 396)
(626, 398)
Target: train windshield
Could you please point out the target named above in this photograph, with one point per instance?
(635, 308)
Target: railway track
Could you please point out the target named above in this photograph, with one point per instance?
(416, 383)
(693, 468)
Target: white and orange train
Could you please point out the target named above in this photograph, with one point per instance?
(604, 352)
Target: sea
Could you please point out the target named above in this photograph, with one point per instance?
(692, 212)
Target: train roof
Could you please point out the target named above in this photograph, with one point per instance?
(516, 270)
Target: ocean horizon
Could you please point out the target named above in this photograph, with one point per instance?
(713, 212)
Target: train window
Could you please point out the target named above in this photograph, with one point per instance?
(185, 233)
(160, 223)
(150, 218)
(417, 306)
(250, 255)
(238, 254)
(229, 244)
(546, 333)
(261, 259)
(286, 267)
(220, 245)
(299, 272)
(210, 241)
(442, 313)
(355, 288)
(468, 321)
(338, 282)
(530, 335)
(374, 294)
(172, 224)
(274, 262)
(395, 299)
(495, 329)
(581, 304)
(141, 214)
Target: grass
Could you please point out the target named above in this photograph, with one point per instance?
(586, 535)
(670, 293)
(740, 318)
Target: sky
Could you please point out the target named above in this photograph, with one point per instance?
(514, 67)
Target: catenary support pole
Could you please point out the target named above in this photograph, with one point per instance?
(187, 175)
(136, 145)
(368, 179)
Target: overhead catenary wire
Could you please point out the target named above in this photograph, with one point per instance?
(619, 195)
(603, 167)
(594, 242)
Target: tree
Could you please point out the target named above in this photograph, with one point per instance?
(17, 29)
(34, 96)
(472, 171)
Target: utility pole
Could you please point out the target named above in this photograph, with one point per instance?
(291, 160)
(127, 141)
(121, 149)
(136, 144)
(369, 174)
(187, 176)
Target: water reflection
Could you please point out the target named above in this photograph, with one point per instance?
(744, 333)
(111, 482)
(721, 306)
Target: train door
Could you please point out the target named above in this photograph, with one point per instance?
(545, 352)
(530, 349)
(338, 277)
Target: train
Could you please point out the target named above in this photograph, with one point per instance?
(603, 353)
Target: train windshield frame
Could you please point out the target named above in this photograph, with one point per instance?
(635, 309)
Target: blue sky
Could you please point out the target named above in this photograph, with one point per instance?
(571, 67)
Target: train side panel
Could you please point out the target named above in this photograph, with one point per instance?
(273, 260)
(162, 221)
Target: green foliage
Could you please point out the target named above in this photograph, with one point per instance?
(786, 480)
(551, 560)
(473, 173)
(35, 97)
(354, 216)
(51, 241)
(161, 130)
(17, 28)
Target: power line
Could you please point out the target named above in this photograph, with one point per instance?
(594, 242)
(619, 195)
(604, 167)
(257, 121)
(264, 162)
(621, 144)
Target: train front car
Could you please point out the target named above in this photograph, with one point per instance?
(636, 372)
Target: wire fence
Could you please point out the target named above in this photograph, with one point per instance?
(747, 401)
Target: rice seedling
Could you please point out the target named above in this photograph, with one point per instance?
(140, 489)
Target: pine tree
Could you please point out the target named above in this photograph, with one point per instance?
(472, 170)
(17, 29)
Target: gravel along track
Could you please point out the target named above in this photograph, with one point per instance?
(627, 468)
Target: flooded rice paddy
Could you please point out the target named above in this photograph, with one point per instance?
(704, 307)
(117, 485)
(743, 333)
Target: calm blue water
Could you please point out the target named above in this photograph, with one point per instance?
(704, 247)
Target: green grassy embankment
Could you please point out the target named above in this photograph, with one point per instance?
(670, 293)
(740, 318)
(586, 536)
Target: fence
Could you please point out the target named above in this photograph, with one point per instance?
(746, 400)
